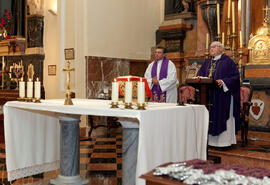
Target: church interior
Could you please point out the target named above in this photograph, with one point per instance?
(75, 49)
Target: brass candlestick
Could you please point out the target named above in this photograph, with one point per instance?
(234, 54)
(36, 100)
(68, 100)
(114, 105)
(228, 44)
(141, 106)
(206, 54)
(218, 37)
(240, 62)
(128, 105)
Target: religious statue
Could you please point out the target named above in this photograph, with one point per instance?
(179, 6)
(35, 7)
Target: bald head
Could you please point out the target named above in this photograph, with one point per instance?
(216, 48)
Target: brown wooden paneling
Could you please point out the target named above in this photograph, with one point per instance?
(255, 73)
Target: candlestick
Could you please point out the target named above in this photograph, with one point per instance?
(128, 93)
(218, 19)
(37, 89)
(233, 19)
(229, 9)
(223, 38)
(240, 39)
(29, 89)
(22, 88)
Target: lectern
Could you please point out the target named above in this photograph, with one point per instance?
(204, 85)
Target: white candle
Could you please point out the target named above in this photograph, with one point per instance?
(115, 92)
(218, 19)
(233, 19)
(223, 38)
(240, 39)
(22, 88)
(207, 41)
(140, 92)
(37, 89)
(229, 9)
(29, 89)
(128, 91)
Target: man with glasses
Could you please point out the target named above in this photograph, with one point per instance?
(162, 78)
(224, 100)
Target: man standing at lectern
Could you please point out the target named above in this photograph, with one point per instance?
(161, 77)
(224, 100)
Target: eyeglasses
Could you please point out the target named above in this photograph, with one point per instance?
(215, 46)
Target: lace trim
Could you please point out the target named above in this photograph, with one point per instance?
(32, 170)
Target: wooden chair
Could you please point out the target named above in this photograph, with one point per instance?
(186, 94)
(245, 94)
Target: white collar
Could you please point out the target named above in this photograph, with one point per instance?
(217, 57)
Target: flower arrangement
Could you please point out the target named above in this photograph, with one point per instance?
(5, 25)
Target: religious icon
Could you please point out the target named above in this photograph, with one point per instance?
(69, 54)
(30, 72)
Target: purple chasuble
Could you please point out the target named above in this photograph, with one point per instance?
(157, 94)
(219, 110)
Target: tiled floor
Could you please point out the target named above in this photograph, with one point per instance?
(101, 159)
(100, 162)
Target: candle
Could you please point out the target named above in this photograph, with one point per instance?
(115, 90)
(29, 89)
(207, 41)
(223, 38)
(128, 91)
(240, 39)
(218, 19)
(22, 88)
(229, 9)
(233, 19)
(141, 92)
(37, 89)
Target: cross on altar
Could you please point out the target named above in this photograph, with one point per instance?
(68, 100)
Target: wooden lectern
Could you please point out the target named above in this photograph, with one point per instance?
(203, 84)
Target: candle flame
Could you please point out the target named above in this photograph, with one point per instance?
(37, 79)
(140, 79)
(30, 79)
(22, 79)
(114, 80)
(128, 79)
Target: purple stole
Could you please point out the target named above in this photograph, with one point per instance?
(157, 94)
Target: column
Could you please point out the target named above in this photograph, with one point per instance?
(69, 153)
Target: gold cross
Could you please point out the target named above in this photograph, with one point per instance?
(68, 70)
(266, 9)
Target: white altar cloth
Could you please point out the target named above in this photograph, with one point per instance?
(166, 133)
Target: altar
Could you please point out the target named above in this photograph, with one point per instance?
(166, 133)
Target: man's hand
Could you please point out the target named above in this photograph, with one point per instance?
(219, 83)
(155, 81)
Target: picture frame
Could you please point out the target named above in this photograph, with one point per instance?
(51, 70)
(17, 72)
(192, 70)
(69, 54)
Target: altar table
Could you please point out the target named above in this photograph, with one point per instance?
(166, 133)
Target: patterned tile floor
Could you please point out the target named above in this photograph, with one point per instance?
(100, 162)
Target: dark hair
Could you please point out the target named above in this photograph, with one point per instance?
(163, 49)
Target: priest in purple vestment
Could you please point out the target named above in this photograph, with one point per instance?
(224, 99)
(162, 78)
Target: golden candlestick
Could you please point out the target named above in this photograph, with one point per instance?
(68, 100)
(128, 105)
(114, 105)
(141, 106)
(240, 61)
(218, 37)
(228, 44)
(234, 54)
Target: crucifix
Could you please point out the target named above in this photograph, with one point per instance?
(68, 100)
(266, 9)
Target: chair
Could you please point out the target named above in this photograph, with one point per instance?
(245, 94)
(186, 94)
